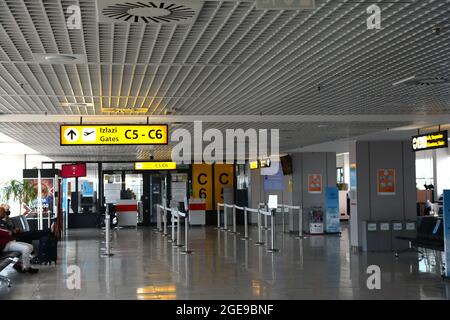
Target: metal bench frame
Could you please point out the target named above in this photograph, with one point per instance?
(6, 258)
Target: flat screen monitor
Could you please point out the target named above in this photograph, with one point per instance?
(286, 164)
(73, 170)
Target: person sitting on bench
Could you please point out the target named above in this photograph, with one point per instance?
(7, 243)
(27, 236)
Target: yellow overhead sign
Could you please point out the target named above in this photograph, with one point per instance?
(120, 134)
(155, 165)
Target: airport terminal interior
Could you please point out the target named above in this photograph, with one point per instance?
(220, 150)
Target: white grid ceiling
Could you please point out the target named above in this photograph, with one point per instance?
(233, 60)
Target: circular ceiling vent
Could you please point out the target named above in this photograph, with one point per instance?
(149, 12)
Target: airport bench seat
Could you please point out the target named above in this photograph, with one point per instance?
(5, 260)
(430, 235)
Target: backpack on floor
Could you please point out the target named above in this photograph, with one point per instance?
(48, 246)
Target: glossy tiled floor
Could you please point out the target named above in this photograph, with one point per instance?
(146, 266)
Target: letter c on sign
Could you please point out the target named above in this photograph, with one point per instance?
(221, 180)
(199, 179)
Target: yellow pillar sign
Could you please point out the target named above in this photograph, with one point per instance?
(223, 177)
(202, 183)
(86, 135)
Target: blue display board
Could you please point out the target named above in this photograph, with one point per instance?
(64, 196)
(447, 232)
(332, 218)
(274, 182)
(87, 189)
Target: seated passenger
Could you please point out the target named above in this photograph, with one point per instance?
(7, 243)
(27, 236)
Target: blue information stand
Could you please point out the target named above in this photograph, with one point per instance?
(332, 217)
(447, 232)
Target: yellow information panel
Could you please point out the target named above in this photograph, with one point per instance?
(155, 165)
(223, 177)
(254, 164)
(87, 135)
(202, 183)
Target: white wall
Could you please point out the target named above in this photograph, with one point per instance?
(443, 170)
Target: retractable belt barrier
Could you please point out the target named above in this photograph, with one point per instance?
(185, 216)
(176, 215)
(218, 215)
(300, 218)
(264, 207)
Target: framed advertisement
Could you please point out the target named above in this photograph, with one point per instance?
(386, 181)
(314, 183)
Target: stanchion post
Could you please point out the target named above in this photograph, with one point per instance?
(266, 225)
(165, 221)
(225, 220)
(234, 220)
(245, 225)
(259, 243)
(272, 231)
(300, 223)
(179, 244)
(107, 227)
(218, 216)
(172, 238)
(158, 218)
(186, 236)
(282, 218)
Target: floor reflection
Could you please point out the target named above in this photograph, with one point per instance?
(146, 266)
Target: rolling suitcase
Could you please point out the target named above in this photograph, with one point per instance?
(48, 246)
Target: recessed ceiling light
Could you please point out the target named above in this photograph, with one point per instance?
(403, 80)
(56, 58)
(75, 104)
(59, 58)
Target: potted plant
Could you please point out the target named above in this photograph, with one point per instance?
(342, 186)
(22, 191)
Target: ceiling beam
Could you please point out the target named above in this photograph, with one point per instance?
(123, 118)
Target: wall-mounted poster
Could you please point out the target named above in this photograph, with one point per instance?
(47, 194)
(386, 181)
(314, 183)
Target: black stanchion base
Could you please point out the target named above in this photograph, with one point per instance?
(265, 228)
(259, 243)
(186, 252)
(179, 245)
(273, 250)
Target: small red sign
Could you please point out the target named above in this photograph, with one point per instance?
(73, 170)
